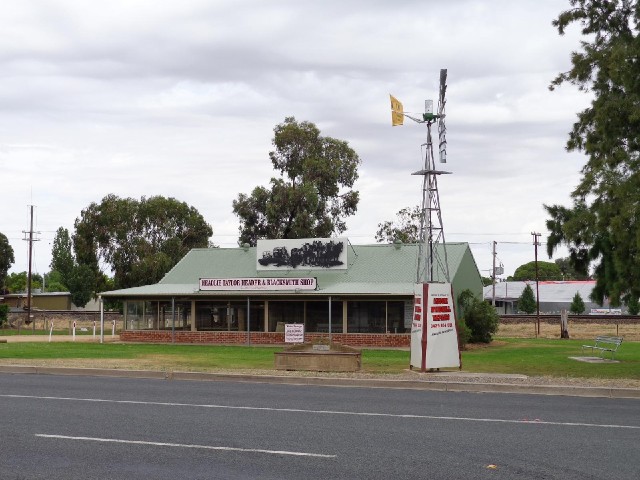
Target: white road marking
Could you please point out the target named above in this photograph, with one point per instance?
(184, 445)
(325, 412)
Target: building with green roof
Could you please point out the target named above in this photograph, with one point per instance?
(364, 296)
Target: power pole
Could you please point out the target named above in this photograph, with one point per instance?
(535, 244)
(493, 276)
(29, 239)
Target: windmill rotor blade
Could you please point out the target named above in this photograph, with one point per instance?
(442, 129)
(443, 86)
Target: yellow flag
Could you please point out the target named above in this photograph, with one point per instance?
(397, 112)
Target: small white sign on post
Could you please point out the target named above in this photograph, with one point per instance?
(294, 333)
(74, 330)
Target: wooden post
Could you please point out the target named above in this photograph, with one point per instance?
(564, 324)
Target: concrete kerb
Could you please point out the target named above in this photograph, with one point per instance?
(433, 385)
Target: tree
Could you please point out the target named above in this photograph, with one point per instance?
(602, 227)
(53, 282)
(6, 258)
(312, 195)
(546, 271)
(527, 301)
(633, 305)
(577, 304)
(81, 285)
(17, 282)
(479, 316)
(405, 228)
(140, 240)
(62, 260)
(567, 270)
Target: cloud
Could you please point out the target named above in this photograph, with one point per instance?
(180, 99)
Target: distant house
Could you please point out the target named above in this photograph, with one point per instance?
(45, 301)
(554, 295)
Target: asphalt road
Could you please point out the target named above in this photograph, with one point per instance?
(65, 427)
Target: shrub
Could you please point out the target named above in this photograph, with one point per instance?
(479, 316)
(464, 333)
(483, 321)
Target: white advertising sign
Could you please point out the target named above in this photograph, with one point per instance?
(416, 328)
(606, 311)
(218, 284)
(439, 336)
(294, 333)
(303, 253)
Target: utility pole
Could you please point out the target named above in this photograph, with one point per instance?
(493, 276)
(30, 239)
(535, 244)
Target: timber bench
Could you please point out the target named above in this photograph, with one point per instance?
(605, 344)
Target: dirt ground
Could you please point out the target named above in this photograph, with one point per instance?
(630, 332)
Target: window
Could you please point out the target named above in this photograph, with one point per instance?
(366, 317)
(318, 317)
(284, 312)
(376, 317)
(143, 315)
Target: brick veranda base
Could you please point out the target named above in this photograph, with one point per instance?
(262, 338)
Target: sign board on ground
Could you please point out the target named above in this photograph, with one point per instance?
(294, 333)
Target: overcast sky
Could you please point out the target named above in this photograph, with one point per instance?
(180, 98)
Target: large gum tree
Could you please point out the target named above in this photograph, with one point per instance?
(313, 193)
(602, 226)
(138, 240)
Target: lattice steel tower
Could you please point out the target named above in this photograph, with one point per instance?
(433, 264)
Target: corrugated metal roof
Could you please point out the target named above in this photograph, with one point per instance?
(550, 291)
(383, 269)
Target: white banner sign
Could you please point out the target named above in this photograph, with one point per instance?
(217, 284)
(606, 311)
(294, 333)
(303, 253)
(434, 335)
(416, 328)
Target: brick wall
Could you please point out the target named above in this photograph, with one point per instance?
(263, 338)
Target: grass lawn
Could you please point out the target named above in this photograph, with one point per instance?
(505, 355)
(550, 357)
